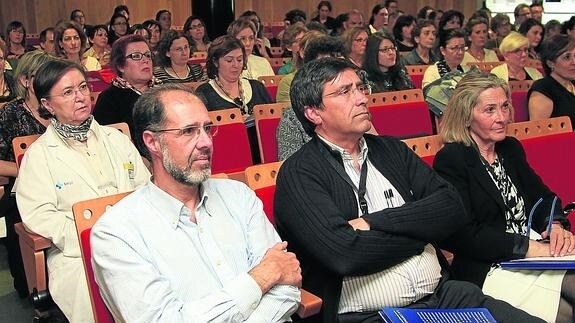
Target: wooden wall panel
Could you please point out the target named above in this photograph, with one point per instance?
(38, 14)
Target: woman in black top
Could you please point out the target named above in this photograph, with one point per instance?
(402, 32)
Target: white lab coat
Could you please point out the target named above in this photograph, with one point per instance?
(52, 178)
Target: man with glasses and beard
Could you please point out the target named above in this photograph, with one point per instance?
(187, 248)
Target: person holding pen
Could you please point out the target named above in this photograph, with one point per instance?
(508, 206)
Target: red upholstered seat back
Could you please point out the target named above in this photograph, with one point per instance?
(411, 119)
(101, 312)
(267, 132)
(231, 151)
(417, 80)
(519, 102)
(272, 91)
(266, 194)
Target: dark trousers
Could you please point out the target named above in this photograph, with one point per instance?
(454, 294)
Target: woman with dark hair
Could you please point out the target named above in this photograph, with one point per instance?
(568, 27)
(379, 18)
(131, 61)
(355, 41)
(501, 27)
(554, 95)
(100, 50)
(195, 29)
(227, 88)
(173, 55)
(139, 29)
(452, 48)
(385, 71)
(244, 30)
(477, 34)
(423, 35)
(119, 27)
(155, 30)
(16, 41)
(20, 117)
(424, 12)
(552, 28)
(324, 15)
(164, 18)
(451, 19)
(533, 30)
(70, 43)
(123, 10)
(6, 80)
(262, 45)
(76, 159)
(402, 32)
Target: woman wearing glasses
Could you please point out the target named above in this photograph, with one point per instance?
(355, 40)
(173, 55)
(74, 160)
(515, 51)
(195, 29)
(507, 204)
(119, 27)
(70, 43)
(452, 48)
(131, 60)
(385, 71)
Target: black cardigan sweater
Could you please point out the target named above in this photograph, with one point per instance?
(483, 241)
(313, 205)
(115, 105)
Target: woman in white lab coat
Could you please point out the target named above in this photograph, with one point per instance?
(74, 160)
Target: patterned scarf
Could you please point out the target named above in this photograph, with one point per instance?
(123, 84)
(68, 131)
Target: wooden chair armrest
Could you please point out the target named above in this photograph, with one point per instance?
(33, 240)
(310, 304)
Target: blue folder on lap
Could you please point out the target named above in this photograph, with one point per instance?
(545, 263)
(410, 315)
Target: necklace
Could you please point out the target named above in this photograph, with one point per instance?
(479, 57)
(567, 84)
(178, 75)
(238, 101)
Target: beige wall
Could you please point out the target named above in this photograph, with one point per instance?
(39, 14)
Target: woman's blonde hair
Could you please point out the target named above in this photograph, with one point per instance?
(455, 124)
(512, 42)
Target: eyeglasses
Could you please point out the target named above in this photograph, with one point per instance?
(392, 49)
(193, 132)
(70, 92)
(457, 48)
(120, 24)
(347, 91)
(180, 49)
(200, 26)
(137, 56)
(520, 51)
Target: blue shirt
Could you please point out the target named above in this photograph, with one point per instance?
(153, 264)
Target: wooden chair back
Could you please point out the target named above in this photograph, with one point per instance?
(538, 128)
(262, 175)
(20, 145)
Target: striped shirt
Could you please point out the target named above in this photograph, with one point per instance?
(401, 284)
(195, 74)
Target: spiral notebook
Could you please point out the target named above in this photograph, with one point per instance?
(466, 315)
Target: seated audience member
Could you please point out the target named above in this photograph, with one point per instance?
(514, 49)
(451, 19)
(339, 25)
(554, 95)
(79, 18)
(423, 35)
(262, 44)
(363, 251)
(123, 10)
(20, 117)
(552, 28)
(385, 72)
(71, 42)
(501, 27)
(214, 230)
(290, 41)
(119, 27)
(452, 48)
(284, 85)
(522, 12)
(402, 30)
(16, 42)
(568, 27)
(131, 60)
(355, 41)
(154, 30)
(537, 10)
(354, 19)
(500, 191)
(172, 59)
(164, 18)
(195, 29)
(228, 89)
(7, 90)
(424, 12)
(100, 50)
(244, 30)
(290, 18)
(74, 160)
(533, 30)
(323, 15)
(139, 29)
(290, 133)
(47, 41)
(477, 34)
(378, 20)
